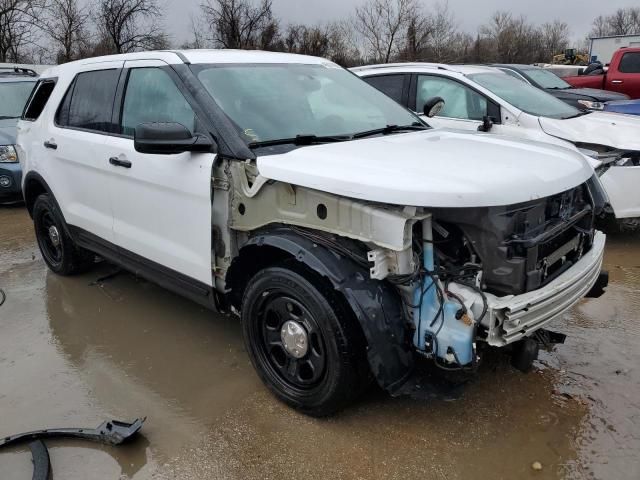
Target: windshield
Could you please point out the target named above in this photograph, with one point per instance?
(279, 101)
(545, 78)
(13, 97)
(525, 97)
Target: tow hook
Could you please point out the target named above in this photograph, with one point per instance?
(525, 352)
(598, 288)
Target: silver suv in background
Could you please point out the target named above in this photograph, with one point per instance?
(16, 84)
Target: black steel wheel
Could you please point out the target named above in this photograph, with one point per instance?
(303, 341)
(58, 250)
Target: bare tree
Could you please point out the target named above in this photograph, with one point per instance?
(443, 33)
(382, 25)
(624, 21)
(240, 23)
(66, 23)
(17, 27)
(130, 25)
(555, 38)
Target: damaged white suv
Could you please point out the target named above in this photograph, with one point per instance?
(350, 237)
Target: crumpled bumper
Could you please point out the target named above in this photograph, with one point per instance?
(514, 317)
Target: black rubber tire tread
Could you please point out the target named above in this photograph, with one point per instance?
(74, 258)
(349, 373)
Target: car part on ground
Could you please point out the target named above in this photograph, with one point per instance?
(110, 432)
(41, 460)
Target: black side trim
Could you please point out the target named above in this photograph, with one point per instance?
(375, 304)
(179, 283)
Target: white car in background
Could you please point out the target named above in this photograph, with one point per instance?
(486, 99)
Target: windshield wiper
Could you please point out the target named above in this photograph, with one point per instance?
(7, 117)
(390, 129)
(302, 139)
(579, 114)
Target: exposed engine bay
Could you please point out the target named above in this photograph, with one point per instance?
(464, 275)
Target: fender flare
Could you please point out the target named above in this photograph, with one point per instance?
(376, 304)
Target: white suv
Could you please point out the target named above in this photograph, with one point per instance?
(349, 236)
(488, 99)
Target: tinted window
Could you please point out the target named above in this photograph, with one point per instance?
(39, 99)
(460, 100)
(89, 102)
(152, 96)
(630, 63)
(391, 85)
(13, 97)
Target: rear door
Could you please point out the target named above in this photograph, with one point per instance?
(625, 77)
(75, 144)
(162, 203)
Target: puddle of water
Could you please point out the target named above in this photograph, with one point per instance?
(72, 354)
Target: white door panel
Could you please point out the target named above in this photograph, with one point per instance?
(621, 184)
(80, 172)
(162, 208)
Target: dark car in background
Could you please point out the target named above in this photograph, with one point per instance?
(16, 85)
(630, 107)
(582, 98)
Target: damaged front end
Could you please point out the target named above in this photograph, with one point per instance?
(500, 274)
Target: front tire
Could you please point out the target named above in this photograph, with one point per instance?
(303, 340)
(58, 250)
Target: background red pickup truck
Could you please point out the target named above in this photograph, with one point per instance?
(623, 75)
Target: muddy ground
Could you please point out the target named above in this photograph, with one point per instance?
(73, 353)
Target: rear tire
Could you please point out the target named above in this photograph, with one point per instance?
(58, 250)
(303, 340)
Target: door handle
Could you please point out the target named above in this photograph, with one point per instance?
(617, 82)
(51, 144)
(119, 162)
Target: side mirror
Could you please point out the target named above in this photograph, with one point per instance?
(168, 138)
(433, 106)
(487, 124)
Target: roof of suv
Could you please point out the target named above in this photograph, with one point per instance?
(15, 74)
(424, 66)
(215, 56)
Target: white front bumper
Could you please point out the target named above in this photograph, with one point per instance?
(514, 317)
(622, 186)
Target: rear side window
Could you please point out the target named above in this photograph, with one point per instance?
(89, 102)
(630, 63)
(39, 98)
(390, 85)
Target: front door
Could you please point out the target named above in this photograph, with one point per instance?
(161, 203)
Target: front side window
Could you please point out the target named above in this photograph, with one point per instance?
(390, 85)
(280, 101)
(13, 97)
(460, 101)
(152, 96)
(525, 97)
(89, 102)
(630, 63)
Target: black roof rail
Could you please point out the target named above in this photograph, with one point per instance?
(18, 71)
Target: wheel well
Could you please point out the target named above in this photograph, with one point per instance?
(33, 188)
(250, 261)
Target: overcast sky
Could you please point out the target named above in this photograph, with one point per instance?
(470, 13)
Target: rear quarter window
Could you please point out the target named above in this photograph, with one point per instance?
(37, 99)
(88, 104)
(630, 63)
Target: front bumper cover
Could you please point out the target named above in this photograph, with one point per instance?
(513, 317)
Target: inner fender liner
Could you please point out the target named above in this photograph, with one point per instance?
(376, 305)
